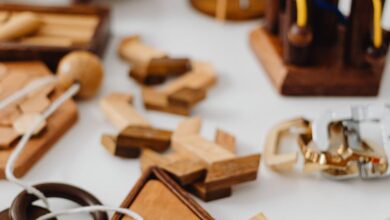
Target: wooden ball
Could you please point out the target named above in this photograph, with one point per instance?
(81, 67)
(300, 36)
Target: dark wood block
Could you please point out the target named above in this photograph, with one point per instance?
(328, 77)
(15, 51)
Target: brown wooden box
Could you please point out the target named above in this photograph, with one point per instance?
(13, 51)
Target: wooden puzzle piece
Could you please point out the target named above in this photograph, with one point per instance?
(9, 114)
(184, 169)
(157, 197)
(225, 140)
(190, 126)
(159, 69)
(7, 136)
(137, 53)
(56, 125)
(120, 112)
(180, 95)
(35, 104)
(25, 121)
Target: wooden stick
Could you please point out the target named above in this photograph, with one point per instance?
(19, 25)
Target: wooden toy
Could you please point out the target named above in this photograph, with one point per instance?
(181, 94)
(19, 115)
(230, 9)
(309, 48)
(206, 168)
(136, 133)
(156, 197)
(48, 33)
(150, 65)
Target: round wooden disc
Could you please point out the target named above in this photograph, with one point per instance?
(234, 11)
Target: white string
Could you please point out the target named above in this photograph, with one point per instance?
(34, 85)
(127, 212)
(30, 131)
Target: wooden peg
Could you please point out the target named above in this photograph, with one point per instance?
(9, 115)
(36, 104)
(23, 123)
(47, 41)
(226, 140)
(259, 216)
(274, 159)
(19, 25)
(223, 174)
(137, 53)
(119, 110)
(7, 136)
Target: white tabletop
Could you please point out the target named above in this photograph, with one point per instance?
(243, 102)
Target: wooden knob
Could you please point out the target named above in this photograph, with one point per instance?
(81, 67)
(300, 36)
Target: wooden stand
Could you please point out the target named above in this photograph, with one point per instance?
(337, 61)
(230, 9)
(157, 197)
(56, 125)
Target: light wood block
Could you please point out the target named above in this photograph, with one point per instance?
(226, 140)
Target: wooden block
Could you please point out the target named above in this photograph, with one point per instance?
(135, 52)
(186, 97)
(47, 41)
(226, 140)
(111, 145)
(185, 170)
(196, 146)
(7, 136)
(9, 115)
(157, 197)
(154, 100)
(166, 67)
(120, 112)
(36, 104)
(199, 189)
(201, 77)
(139, 73)
(259, 216)
(77, 35)
(223, 174)
(25, 121)
(190, 126)
(145, 137)
(57, 124)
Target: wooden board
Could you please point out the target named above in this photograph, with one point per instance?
(51, 55)
(151, 207)
(56, 126)
(325, 79)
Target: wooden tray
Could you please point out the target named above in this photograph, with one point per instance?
(57, 124)
(162, 177)
(327, 79)
(12, 51)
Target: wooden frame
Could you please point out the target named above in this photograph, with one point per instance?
(155, 173)
(13, 51)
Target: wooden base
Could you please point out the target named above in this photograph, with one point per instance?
(327, 78)
(57, 125)
(233, 9)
